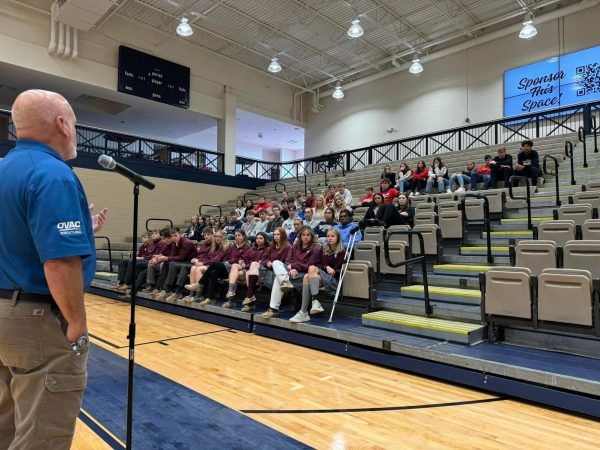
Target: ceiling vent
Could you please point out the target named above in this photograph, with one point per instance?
(83, 14)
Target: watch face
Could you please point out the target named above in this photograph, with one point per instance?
(83, 341)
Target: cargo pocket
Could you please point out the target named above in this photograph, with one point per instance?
(21, 342)
(61, 400)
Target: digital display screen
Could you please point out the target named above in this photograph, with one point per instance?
(153, 78)
(560, 81)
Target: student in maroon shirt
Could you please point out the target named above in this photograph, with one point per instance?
(156, 262)
(262, 269)
(241, 255)
(182, 252)
(302, 255)
(125, 277)
(216, 253)
(325, 273)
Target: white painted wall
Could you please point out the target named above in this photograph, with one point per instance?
(464, 84)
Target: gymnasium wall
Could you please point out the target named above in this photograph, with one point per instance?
(460, 85)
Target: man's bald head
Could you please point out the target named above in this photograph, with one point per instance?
(46, 117)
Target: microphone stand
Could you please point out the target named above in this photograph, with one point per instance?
(131, 336)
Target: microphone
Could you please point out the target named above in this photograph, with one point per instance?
(109, 163)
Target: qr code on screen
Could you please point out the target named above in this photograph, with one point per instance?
(588, 79)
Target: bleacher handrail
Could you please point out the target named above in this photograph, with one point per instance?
(555, 174)
(486, 220)
(569, 154)
(110, 260)
(158, 219)
(527, 198)
(422, 258)
(283, 190)
(581, 136)
(214, 206)
(594, 130)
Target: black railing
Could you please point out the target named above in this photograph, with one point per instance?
(581, 137)
(595, 131)
(555, 174)
(527, 198)
(154, 219)
(282, 190)
(305, 184)
(110, 260)
(486, 220)
(569, 154)
(422, 258)
(212, 206)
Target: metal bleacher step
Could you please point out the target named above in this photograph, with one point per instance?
(473, 259)
(443, 294)
(107, 276)
(391, 301)
(521, 213)
(462, 332)
(460, 269)
(509, 234)
(466, 282)
(496, 251)
(104, 266)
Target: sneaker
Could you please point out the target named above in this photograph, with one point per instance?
(162, 296)
(116, 284)
(174, 297)
(247, 300)
(228, 304)
(148, 289)
(286, 287)
(460, 190)
(230, 294)
(300, 317)
(449, 191)
(417, 193)
(207, 301)
(196, 287)
(269, 313)
(316, 307)
(412, 194)
(153, 292)
(248, 308)
(188, 299)
(122, 287)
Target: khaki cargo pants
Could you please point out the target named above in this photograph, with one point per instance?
(41, 379)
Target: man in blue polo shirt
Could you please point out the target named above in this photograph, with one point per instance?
(47, 261)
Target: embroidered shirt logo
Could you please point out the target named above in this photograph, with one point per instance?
(69, 227)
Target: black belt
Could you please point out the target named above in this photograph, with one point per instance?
(27, 296)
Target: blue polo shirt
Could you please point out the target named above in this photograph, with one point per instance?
(44, 215)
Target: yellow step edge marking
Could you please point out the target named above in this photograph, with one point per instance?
(422, 322)
(443, 290)
(524, 233)
(524, 219)
(498, 249)
(459, 267)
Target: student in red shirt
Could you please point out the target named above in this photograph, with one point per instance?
(388, 194)
(330, 195)
(262, 204)
(482, 174)
(419, 177)
(310, 198)
(366, 199)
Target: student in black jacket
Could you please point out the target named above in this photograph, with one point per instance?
(407, 212)
(387, 173)
(528, 163)
(501, 168)
(380, 214)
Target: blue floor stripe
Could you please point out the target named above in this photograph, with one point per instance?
(168, 415)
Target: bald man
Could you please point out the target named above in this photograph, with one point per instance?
(47, 261)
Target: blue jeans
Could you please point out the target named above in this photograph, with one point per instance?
(404, 185)
(460, 179)
(477, 178)
(441, 185)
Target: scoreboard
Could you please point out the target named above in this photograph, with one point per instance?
(153, 78)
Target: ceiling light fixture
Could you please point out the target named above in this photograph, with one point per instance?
(528, 31)
(355, 30)
(416, 68)
(184, 29)
(338, 93)
(274, 67)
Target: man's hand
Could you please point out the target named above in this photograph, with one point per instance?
(518, 167)
(75, 331)
(293, 273)
(98, 219)
(404, 213)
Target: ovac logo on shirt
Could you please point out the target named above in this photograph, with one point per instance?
(69, 227)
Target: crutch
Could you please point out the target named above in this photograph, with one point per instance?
(344, 268)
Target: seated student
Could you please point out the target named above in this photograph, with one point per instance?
(330, 195)
(309, 219)
(182, 253)
(284, 209)
(213, 223)
(261, 224)
(528, 163)
(302, 255)
(239, 269)
(275, 222)
(325, 273)
(387, 192)
(222, 222)
(284, 196)
(262, 204)
(404, 178)
(194, 231)
(233, 224)
(387, 173)
(501, 167)
(298, 224)
(144, 254)
(263, 269)
(288, 224)
(339, 206)
(310, 198)
(202, 258)
(319, 209)
(419, 177)
(299, 201)
(215, 253)
(156, 262)
(438, 173)
(325, 225)
(249, 205)
(240, 209)
(407, 212)
(366, 199)
(481, 174)
(346, 227)
(238, 253)
(250, 223)
(461, 178)
(380, 215)
(346, 194)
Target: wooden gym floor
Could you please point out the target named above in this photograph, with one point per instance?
(269, 394)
